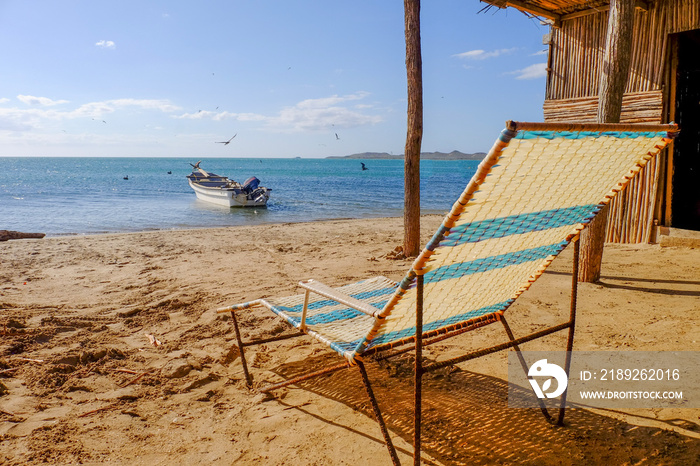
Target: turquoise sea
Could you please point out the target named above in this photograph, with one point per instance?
(64, 196)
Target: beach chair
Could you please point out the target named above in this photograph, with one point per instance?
(536, 190)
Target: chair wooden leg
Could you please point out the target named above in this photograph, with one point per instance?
(418, 384)
(523, 364)
(567, 367)
(572, 320)
(417, 416)
(378, 415)
(239, 340)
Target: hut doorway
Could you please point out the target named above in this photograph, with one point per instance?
(685, 198)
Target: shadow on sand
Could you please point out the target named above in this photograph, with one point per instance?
(466, 420)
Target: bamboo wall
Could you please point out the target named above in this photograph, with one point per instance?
(575, 62)
(683, 15)
(637, 107)
(576, 53)
(632, 212)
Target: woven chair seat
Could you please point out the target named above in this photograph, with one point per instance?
(339, 326)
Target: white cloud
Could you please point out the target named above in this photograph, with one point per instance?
(19, 120)
(307, 115)
(43, 101)
(106, 44)
(4, 100)
(541, 52)
(325, 102)
(11, 120)
(162, 105)
(320, 114)
(483, 54)
(538, 70)
(220, 116)
(38, 114)
(95, 109)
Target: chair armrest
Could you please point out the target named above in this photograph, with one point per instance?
(339, 296)
(238, 307)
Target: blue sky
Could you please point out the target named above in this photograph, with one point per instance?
(170, 78)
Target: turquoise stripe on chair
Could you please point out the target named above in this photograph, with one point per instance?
(516, 224)
(588, 134)
(494, 262)
(364, 296)
(328, 317)
(427, 327)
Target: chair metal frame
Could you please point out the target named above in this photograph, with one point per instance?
(422, 339)
(420, 369)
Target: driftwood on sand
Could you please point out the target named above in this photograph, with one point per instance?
(9, 234)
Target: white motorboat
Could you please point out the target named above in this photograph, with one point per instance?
(225, 192)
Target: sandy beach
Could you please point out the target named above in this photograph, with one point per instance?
(81, 380)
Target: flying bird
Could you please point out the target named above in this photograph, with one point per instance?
(226, 142)
(337, 137)
(363, 166)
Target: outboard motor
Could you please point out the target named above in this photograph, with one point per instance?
(250, 185)
(259, 195)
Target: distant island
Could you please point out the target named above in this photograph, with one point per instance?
(454, 155)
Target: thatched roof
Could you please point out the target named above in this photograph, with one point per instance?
(558, 10)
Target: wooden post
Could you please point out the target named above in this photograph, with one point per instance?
(6, 235)
(592, 242)
(414, 130)
(616, 60)
(613, 80)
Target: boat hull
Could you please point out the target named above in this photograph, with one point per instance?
(230, 197)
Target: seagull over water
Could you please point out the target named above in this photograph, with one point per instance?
(226, 142)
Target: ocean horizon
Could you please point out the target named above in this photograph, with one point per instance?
(89, 195)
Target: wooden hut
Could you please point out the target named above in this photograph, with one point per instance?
(663, 86)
